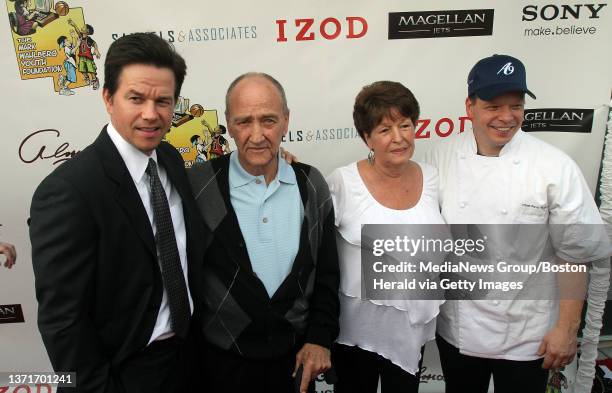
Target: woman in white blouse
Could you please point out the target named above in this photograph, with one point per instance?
(381, 338)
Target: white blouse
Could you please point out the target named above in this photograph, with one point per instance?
(395, 329)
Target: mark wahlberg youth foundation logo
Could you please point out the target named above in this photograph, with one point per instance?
(52, 40)
(439, 24)
(558, 120)
(11, 313)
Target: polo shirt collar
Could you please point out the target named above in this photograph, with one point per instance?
(239, 176)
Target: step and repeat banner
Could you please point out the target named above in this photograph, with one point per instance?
(322, 52)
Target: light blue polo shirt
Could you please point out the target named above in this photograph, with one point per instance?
(270, 218)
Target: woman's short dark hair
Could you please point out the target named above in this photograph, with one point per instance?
(376, 101)
(142, 48)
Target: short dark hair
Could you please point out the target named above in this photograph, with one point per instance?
(142, 48)
(269, 78)
(377, 100)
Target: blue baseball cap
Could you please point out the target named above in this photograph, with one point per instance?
(497, 75)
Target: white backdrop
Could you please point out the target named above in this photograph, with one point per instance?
(565, 46)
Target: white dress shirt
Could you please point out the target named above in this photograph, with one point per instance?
(136, 163)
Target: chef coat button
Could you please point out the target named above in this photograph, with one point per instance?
(257, 181)
(463, 204)
(265, 220)
(462, 156)
(504, 212)
(516, 161)
(496, 302)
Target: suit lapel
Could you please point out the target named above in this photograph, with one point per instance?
(127, 196)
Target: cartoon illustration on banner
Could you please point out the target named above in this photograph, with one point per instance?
(196, 133)
(52, 40)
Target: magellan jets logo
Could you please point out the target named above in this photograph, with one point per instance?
(558, 119)
(11, 313)
(438, 24)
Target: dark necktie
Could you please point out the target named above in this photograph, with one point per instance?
(172, 273)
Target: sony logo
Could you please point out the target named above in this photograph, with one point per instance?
(564, 11)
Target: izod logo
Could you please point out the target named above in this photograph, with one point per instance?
(310, 29)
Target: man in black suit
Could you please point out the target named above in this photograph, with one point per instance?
(113, 231)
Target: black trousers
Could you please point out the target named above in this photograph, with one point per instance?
(358, 371)
(463, 373)
(164, 366)
(228, 372)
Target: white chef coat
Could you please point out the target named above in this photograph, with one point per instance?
(531, 182)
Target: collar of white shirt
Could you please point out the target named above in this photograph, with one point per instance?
(135, 160)
(508, 148)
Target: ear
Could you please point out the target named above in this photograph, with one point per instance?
(229, 128)
(468, 107)
(108, 101)
(286, 123)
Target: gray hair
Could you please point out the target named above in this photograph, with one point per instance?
(271, 79)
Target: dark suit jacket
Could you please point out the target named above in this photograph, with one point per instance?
(98, 282)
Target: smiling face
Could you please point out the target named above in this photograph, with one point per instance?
(141, 108)
(257, 121)
(496, 121)
(392, 140)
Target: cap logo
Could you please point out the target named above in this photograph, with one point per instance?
(507, 69)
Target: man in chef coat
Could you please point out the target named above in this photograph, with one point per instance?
(498, 174)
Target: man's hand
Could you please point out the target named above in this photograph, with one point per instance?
(558, 347)
(290, 158)
(8, 250)
(316, 360)
(559, 344)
